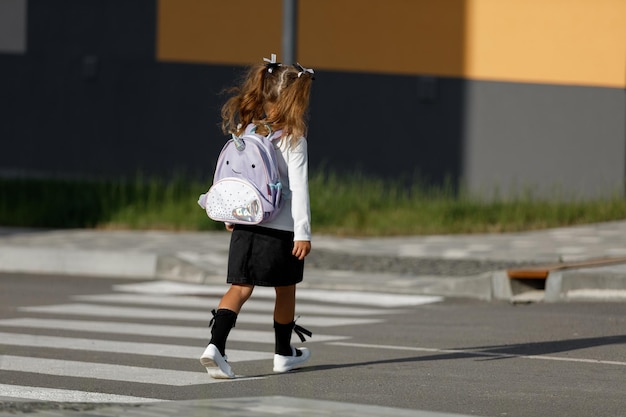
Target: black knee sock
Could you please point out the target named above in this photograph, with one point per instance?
(282, 335)
(223, 320)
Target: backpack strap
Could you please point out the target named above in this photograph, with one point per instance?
(275, 135)
(251, 128)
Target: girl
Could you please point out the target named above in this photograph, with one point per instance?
(273, 97)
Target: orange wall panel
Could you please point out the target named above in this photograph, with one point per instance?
(547, 41)
(218, 31)
(578, 42)
(392, 36)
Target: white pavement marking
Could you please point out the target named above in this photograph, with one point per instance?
(328, 296)
(368, 298)
(596, 294)
(62, 395)
(479, 353)
(455, 254)
(207, 303)
(92, 370)
(86, 310)
(140, 329)
(571, 250)
(150, 349)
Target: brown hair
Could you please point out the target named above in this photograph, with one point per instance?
(273, 95)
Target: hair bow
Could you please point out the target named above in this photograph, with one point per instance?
(304, 70)
(271, 63)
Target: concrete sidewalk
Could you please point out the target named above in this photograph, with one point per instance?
(200, 257)
(234, 407)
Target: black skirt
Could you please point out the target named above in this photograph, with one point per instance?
(262, 256)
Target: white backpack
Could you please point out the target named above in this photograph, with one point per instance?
(246, 186)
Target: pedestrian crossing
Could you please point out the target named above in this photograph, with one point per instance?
(162, 322)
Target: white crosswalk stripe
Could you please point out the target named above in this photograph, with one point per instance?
(206, 303)
(92, 370)
(140, 329)
(64, 395)
(117, 323)
(85, 310)
(134, 348)
(326, 296)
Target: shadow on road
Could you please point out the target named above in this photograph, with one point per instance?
(491, 352)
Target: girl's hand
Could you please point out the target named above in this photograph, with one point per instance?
(301, 248)
(229, 226)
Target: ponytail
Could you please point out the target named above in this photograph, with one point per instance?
(246, 102)
(281, 90)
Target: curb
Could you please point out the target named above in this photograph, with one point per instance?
(78, 262)
(139, 265)
(601, 283)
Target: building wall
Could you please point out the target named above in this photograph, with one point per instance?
(488, 94)
(388, 97)
(545, 104)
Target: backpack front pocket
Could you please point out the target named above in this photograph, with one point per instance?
(232, 200)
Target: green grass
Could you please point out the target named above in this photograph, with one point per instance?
(365, 206)
(349, 205)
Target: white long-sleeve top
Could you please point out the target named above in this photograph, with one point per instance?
(293, 166)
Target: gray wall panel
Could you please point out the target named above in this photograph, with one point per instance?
(545, 139)
(13, 26)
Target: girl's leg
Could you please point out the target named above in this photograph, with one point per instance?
(236, 296)
(214, 357)
(285, 306)
(286, 357)
(226, 315)
(284, 311)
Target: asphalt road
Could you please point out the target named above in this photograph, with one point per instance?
(455, 355)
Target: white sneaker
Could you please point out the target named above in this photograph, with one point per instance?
(216, 365)
(287, 363)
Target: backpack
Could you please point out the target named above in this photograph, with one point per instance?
(246, 186)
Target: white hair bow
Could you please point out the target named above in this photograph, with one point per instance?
(303, 70)
(271, 63)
